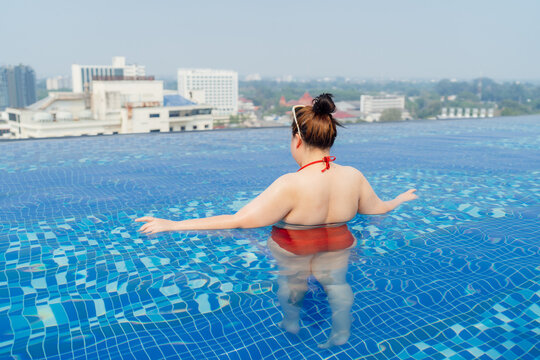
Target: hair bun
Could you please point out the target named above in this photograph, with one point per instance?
(323, 104)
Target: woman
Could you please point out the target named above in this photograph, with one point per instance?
(320, 194)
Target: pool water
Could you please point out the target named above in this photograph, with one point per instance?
(454, 274)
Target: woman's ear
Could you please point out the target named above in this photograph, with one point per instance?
(299, 140)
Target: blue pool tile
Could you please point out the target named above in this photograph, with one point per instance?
(452, 275)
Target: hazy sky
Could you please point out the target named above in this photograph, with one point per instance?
(373, 39)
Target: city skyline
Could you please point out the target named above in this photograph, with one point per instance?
(385, 40)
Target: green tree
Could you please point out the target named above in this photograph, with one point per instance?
(390, 115)
(513, 108)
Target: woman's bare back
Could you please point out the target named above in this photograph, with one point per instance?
(324, 197)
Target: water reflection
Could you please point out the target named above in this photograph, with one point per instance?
(321, 251)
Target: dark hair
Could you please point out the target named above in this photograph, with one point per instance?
(317, 125)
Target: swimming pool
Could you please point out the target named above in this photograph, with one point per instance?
(453, 274)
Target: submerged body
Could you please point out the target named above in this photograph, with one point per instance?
(322, 252)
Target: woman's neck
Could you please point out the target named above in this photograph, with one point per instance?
(313, 155)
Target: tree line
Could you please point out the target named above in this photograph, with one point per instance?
(424, 99)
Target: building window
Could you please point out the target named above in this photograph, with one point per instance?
(175, 113)
(154, 115)
(194, 127)
(155, 130)
(206, 126)
(182, 128)
(115, 132)
(12, 117)
(171, 128)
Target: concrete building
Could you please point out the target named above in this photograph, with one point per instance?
(4, 126)
(253, 77)
(4, 100)
(113, 107)
(17, 86)
(306, 99)
(176, 114)
(59, 114)
(58, 83)
(372, 107)
(109, 97)
(218, 88)
(82, 75)
(379, 103)
(464, 113)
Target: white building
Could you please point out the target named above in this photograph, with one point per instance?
(379, 103)
(253, 77)
(371, 107)
(82, 75)
(4, 125)
(109, 97)
(142, 107)
(460, 113)
(58, 82)
(59, 114)
(114, 107)
(218, 88)
(176, 114)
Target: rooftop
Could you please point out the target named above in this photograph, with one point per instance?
(176, 100)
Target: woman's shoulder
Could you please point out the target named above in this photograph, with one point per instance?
(350, 170)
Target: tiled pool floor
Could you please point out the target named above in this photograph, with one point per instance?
(452, 275)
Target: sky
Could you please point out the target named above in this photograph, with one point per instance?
(380, 39)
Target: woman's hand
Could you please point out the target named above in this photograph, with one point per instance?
(154, 225)
(407, 195)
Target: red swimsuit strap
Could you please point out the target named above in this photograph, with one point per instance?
(326, 159)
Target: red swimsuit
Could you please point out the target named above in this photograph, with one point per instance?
(314, 240)
(326, 159)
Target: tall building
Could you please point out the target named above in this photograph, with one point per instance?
(17, 86)
(218, 88)
(4, 100)
(82, 75)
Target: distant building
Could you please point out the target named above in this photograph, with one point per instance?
(347, 111)
(247, 109)
(4, 99)
(4, 126)
(246, 106)
(58, 83)
(59, 114)
(17, 86)
(306, 99)
(379, 103)
(253, 77)
(82, 75)
(285, 78)
(118, 106)
(463, 113)
(372, 106)
(218, 88)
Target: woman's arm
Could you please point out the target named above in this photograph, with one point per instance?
(370, 203)
(272, 205)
